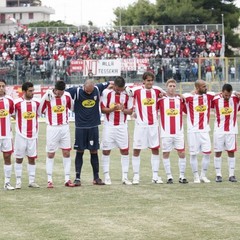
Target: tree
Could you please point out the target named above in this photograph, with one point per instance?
(175, 12)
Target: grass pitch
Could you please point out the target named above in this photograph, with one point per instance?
(146, 211)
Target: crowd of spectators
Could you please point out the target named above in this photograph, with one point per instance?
(44, 52)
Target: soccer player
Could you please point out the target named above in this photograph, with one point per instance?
(6, 146)
(55, 104)
(87, 118)
(146, 130)
(226, 107)
(26, 114)
(198, 113)
(171, 109)
(116, 106)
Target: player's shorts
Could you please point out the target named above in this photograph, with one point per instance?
(146, 137)
(86, 138)
(6, 145)
(58, 137)
(199, 142)
(170, 143)
(114, 137)
(25, 147)
(224, 142)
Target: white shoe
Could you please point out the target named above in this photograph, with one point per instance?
(158, 180)
(125, 181)
(197, 180)
(135, 180)
(108, 181)
(205, 180)
(8, 186)
(33, 185)
(18, 185)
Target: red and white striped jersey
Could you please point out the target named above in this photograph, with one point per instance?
(6, 110)
(56, 108)
(226, 114)
(171, 116)
(198, 111)
(109, 98)
(145, 101)
(26, 112)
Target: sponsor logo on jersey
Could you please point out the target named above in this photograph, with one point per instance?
(226, 110)
(112, 105)
(88, 103)
(148, 101)
(172, 112)
(201, 108)
(29, 115)
(58, 109)
(3, 113)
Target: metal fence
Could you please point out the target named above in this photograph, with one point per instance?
(181, 69)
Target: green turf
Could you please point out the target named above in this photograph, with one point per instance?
(146, 211)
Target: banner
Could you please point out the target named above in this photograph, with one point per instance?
(142, 65)
(128, 64)
(76, 66)
(102, 68)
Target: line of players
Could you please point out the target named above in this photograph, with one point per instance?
(116, 103)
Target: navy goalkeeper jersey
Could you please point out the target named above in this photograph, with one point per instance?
(86, 106)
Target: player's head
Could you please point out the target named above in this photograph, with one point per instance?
(148, 79)
(59, 88)
(28, 90)
(201, 87)
(89, 85)
(2, 87)
(171, 86)
(119, 84)
(227, 91)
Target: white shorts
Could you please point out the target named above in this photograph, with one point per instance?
(146, 137)
(25, 147)
(6, 145)
(114, 137)
(170, 143)
(199, 142)
(224, 142)
(58, 137)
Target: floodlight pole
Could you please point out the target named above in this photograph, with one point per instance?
(223, 36)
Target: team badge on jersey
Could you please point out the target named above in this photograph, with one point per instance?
(3, 113)
(148, 101)
(200, 108)
(89, 103)
(29, 115)
(172, 112)
(226, 111)
(58, 109)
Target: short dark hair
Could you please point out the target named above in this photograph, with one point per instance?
(3, 81)
(26, 86)
(148, 74)
(60, 85)
(119, 82)
(227, 87)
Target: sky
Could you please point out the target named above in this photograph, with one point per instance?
(79, 12)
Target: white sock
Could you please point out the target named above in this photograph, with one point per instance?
(49, 168)
(31, 172)
(167, 167)
(106, 165)
(231, 165)
(194, 165)
(218, 165)
(7, 172)
(125, 166)
(205, 163)
(155, 161)
(67, 168)
(18, 172)
(182, 162)
(136, 165)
